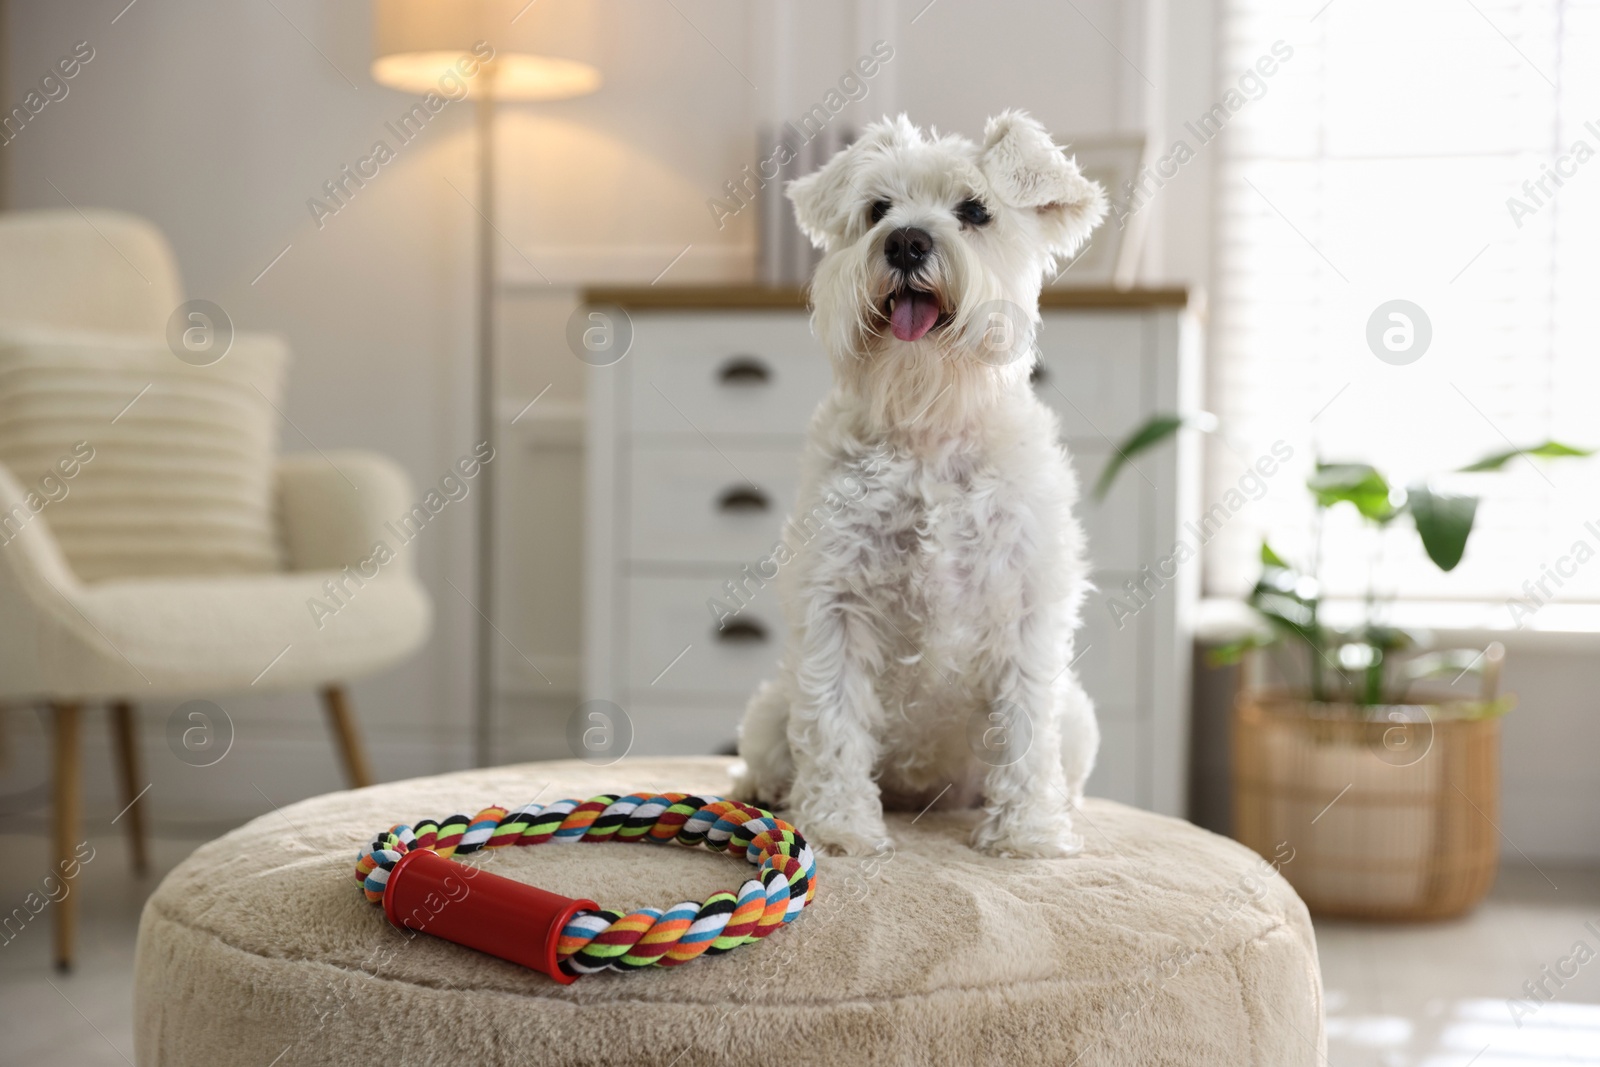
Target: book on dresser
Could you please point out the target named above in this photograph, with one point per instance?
(692, 457)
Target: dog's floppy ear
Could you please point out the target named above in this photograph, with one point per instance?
(825, 199)
(1028, 170)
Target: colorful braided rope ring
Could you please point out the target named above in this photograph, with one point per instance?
(594, 940)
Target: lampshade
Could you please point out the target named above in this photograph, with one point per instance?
(541, 49)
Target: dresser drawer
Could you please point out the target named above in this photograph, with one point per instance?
(744, 373)
(1092, 373)
(688, 503)
(675, 647)
(698, 729)
(668, 618)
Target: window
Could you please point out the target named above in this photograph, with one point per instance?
(1444, 153)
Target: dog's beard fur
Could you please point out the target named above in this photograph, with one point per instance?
(942, 382)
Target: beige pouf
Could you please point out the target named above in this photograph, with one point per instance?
(1159, 944)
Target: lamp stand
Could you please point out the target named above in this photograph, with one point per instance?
(483, 685)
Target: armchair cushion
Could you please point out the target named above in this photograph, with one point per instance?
(171, 637)
(168, 637)
(336, 509)
(147, 466)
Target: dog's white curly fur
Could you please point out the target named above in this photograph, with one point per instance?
(935, 567)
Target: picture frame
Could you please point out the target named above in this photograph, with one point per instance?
(1110, 259)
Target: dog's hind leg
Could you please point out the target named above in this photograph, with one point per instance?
(764, 747)
(1080, 735)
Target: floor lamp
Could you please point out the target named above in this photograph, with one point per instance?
(482, 47)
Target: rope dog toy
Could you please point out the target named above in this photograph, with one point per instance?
(408, 870)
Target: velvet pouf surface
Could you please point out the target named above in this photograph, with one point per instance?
(1159, 943)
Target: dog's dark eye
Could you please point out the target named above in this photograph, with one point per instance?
(880, 208)
(972, 212)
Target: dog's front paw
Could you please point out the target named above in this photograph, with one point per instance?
(830, 838)
(1009, 839)
(749, 788)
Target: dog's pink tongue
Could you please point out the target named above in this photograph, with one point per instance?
(913, 316)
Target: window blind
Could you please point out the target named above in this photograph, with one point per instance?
(1446, 154)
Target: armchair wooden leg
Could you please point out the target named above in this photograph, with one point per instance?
(343, 723)
(126, 738)
(65, 815)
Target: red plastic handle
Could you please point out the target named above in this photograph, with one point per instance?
(473, 907)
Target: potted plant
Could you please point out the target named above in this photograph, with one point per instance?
(1382, 776)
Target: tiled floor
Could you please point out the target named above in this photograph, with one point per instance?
(1437, 995)
(1397, 996)
(85, 1017)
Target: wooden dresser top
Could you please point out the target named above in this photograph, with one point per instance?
(761, 298)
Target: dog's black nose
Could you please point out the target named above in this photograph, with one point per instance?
(907, 247)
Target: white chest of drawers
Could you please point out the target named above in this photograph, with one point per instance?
(712, 399)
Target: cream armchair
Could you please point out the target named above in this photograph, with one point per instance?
(152, 544)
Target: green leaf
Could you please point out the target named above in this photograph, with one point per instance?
(1548, 450)
(1269, 558)
(1390, 639)
(1359, 484)
(1444, 522)
(1286, 612)
(1157, 429)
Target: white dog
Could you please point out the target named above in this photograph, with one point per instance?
(934, 567)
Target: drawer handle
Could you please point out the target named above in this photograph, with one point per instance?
(743, 498)
(742, 631)
(744, 370)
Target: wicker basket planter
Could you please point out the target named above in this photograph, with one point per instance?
(1390, 811)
